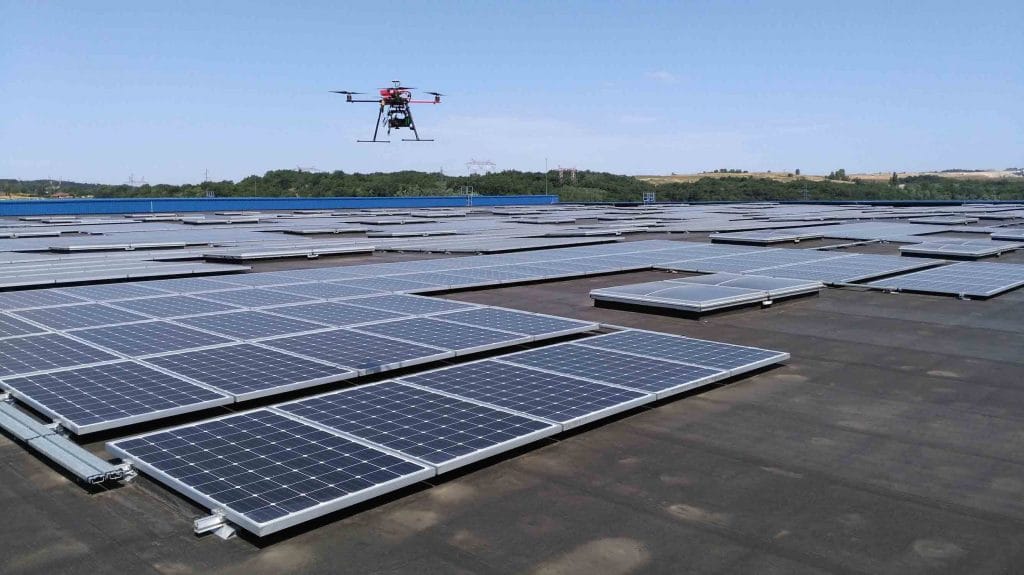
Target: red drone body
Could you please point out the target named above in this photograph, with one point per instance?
(394, 109)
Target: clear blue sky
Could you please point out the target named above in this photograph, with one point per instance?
(93, 91)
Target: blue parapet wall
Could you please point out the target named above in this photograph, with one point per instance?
(182, 205)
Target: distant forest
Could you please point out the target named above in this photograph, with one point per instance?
(588, 187)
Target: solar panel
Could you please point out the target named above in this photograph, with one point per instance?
(267, 471)
(536, 325)
(410, 304)
(694, 298)
(459, 338)
(77, 316)
(32, 353)
(249, 324)
(255, 297)
(767, 236)
(387, 284)
(335, 313)
(960, 248)
(440, 430)
(88, 399)
(139, 339)
(35, 298)
(855, 267)
(565, 400)
(362, 351)
(10, 326)
(326, 290)
(110, 292)
(189, 285)
(979, 279)
(776, 287)
(173, 306)
(326, 274)
(435, 281)
(732, 358)
(261, 279)
(248, 371)
(663, 378)
(496, 274)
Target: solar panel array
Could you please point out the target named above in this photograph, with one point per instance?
(268, 471)
(274, 467)
(88, 399)
(339, 316)
(826, 267)
(766, 236)
(29, 273)
(441, 430)
(693, 298)
(973, 249)
(977, 279)
(239, 338)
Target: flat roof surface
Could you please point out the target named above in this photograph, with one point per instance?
(890, 442)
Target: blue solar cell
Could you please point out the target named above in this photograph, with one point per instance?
(36, 298)
(645, 374)
(687, 350)
(110, 292)
(254, 297)
(518, 321)
(28, 354)
(562, 399)
(249, 324)
(356, 350)
(441, 430)
(326, 290)
(409, 304)
(267, 471)
(139, 339)
(336, 313)
(247, 371)
(385, 284)
(443, 334)
(10, 326)
(88, 399)
(173, 306)
(189, 285)
(78, 316)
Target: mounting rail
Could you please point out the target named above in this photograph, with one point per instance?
(49, 442)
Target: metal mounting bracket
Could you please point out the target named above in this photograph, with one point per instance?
(214, 523)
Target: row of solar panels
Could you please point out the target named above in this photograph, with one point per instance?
(276, 467)
(436, 275)
(19, 274)
(97, 378)
(697, 294)
(974, 279)
(827, 267)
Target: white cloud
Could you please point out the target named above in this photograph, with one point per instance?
(663, 76)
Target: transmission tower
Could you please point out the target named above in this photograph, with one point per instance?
(477, 167)
(566, 174)
(136, 182)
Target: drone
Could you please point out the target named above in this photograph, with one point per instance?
(395, 112)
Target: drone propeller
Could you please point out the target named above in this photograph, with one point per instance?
(434, 93)
(346, 92)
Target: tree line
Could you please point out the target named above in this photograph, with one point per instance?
(588, 187)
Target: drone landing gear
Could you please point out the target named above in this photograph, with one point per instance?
(376, 129)
(412, 126)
